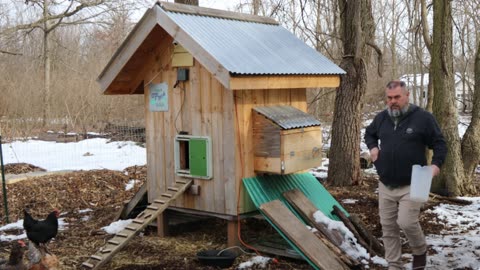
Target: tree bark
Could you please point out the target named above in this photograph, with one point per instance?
(256, 6)
(46, 65)
(357, 28)
(393, 40)
(471, 139)
(428, 44)
(452, 176)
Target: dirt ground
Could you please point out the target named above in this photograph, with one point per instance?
(103, 192)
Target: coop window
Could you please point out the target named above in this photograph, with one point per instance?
(193, 156)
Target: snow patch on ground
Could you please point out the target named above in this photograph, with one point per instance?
(258, 261)
(117, 226)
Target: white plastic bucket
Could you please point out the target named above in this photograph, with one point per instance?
(420, 183)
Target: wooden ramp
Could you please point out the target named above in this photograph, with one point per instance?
(314, 249)
(114, 245)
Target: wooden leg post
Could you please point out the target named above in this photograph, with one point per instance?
(162, 225)
(232, 231)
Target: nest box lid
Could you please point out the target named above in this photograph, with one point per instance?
(287, 117)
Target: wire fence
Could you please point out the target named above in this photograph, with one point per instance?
(110, 145)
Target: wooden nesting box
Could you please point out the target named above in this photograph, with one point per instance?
(286, 140)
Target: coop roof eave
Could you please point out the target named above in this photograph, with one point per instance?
(283, 81)
(123, 73)
(114, 79)
(111, 79)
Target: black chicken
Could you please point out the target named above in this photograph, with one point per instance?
(15, 261)
(41, 231)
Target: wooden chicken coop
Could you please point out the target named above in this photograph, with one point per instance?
(225, 99)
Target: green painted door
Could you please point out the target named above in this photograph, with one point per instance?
(198, 157)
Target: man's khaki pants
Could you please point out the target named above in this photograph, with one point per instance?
(397, 212)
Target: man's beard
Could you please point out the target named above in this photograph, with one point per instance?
(397, 112)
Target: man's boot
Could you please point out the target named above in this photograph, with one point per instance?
(419, 261)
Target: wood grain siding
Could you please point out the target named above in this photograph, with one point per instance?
(301, 148)
(229, 140)
(159, 128)
(266, 137)
(206, 129)
(207, 110)
(202, 106)
(245, 100)
(217, 132)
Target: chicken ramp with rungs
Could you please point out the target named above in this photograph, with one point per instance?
(120, 239)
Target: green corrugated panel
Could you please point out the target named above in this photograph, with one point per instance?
(267, 188)
(263, 189)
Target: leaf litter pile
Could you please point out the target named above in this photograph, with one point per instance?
(102, 193)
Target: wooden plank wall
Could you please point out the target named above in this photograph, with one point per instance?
(245, 100)
(266, 136)
(207, 109)
(202, 107)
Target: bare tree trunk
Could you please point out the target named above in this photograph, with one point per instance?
(430, 92)
(318, 26)
(428, 43)
(393, 41)
(411, 62)
(452, 176)
(256, 6)
(357, 27)
(471, 139)
(187, 2)
(46, 67)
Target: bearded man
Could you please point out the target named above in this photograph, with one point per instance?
(397, 139)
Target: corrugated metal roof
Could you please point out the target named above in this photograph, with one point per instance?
(252, 48)
(266, 188)
(287, 117)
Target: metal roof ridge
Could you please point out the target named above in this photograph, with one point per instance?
(216, 13)
(287, 117)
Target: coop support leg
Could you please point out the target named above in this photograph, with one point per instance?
(232, 232)
(162, 225)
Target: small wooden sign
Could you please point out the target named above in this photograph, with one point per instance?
(158, 97)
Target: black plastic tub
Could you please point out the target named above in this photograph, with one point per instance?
(212, 258)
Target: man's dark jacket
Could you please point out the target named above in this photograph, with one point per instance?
(404, 145)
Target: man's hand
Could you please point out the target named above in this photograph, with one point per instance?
(374, 153)
(435, 170)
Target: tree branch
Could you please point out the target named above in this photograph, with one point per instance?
(39, 23)
(10, 53)
(425, 32)
(379, 57)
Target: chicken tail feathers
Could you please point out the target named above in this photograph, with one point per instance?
(28, 220)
